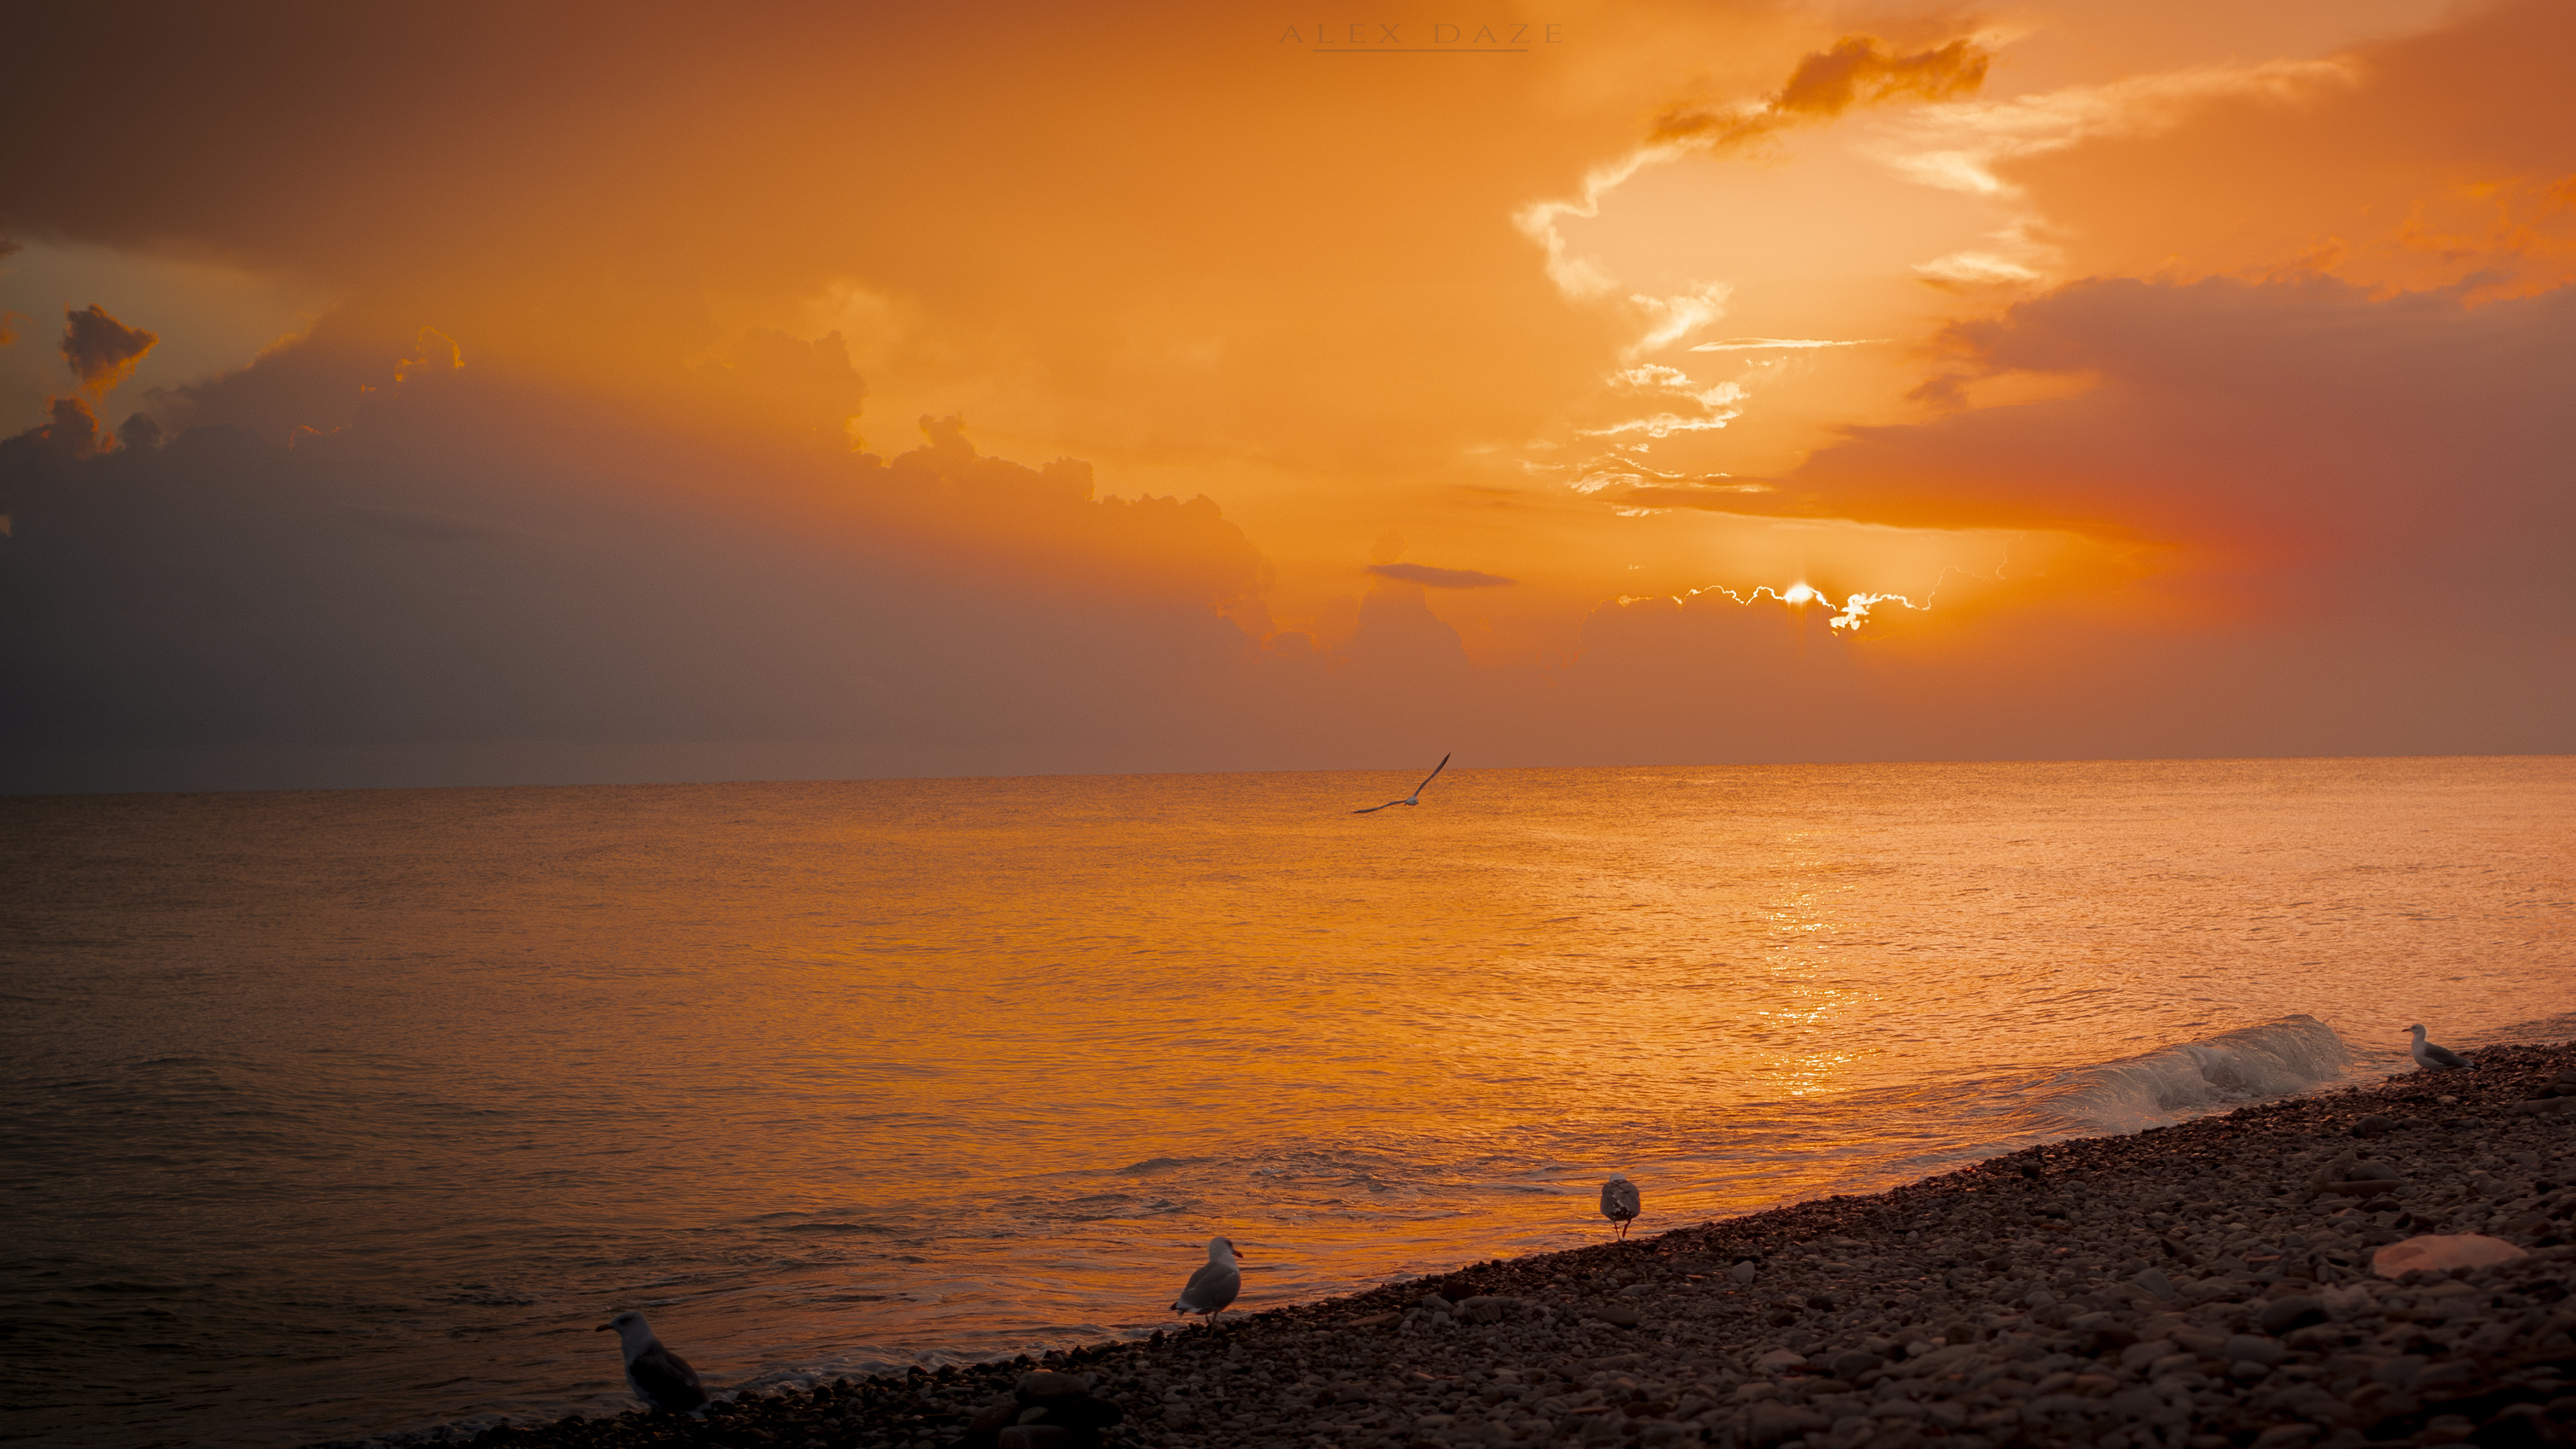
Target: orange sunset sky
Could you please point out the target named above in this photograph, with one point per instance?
(447, 394)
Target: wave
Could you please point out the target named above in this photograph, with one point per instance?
(2543, 1029)
(1157, 1164)
(2272, 1060)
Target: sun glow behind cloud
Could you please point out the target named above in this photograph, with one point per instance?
(1849, 615)
(1872, 311)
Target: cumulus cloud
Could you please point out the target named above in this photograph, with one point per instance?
(69, 431)
(468, 581)
(788, 382)
(1439, 578)
(101, 350)
(467, 561)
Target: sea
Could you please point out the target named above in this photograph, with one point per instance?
(351, 1115)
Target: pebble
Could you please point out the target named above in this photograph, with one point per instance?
(2187, 1287)
(2434, 1252)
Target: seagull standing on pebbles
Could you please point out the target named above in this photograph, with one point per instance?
(661, 1378)
(1416, 797)
(1619, 1203)
(2436, 1058)
(1214, 1285)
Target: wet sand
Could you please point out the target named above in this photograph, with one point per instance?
(2203, 1286)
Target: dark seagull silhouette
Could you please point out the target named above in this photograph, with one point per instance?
(661, 1378)
(1416, 797)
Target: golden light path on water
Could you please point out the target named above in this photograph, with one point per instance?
(832, 1077)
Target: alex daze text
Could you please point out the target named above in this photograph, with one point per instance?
(1357, 33)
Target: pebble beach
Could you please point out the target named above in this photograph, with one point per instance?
(2232, 1281)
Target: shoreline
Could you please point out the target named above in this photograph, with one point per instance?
(2196, 1286)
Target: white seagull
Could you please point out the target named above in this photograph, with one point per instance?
(661, 1378)
(1619, 1203)
(1214, 1285)
(1416, 797)
(2436, 1058)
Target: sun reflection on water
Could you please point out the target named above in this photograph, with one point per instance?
(963, 1067)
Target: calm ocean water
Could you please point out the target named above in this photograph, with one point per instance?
(340, 1114)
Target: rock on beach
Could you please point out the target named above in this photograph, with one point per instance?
(2219, 1284)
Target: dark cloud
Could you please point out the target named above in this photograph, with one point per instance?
(2302, 443)
(70, 432)
(466, 578)
(316, 381)
(1856, 72)
(1436, 578)
(102, 350)
(1824, 85)
(463, 564)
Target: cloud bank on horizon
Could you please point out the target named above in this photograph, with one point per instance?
(2082, 391)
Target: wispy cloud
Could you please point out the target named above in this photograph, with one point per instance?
(1437, 578)
(1677, 317)
(1662, 425)
(1956, 145)
(1582, 277)
(1974, 267)
(1720, 494)
(1825, 84)
(1783, 344)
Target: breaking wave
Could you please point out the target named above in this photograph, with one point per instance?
(2271, 1060)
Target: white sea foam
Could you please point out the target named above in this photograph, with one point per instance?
(2275, 1059)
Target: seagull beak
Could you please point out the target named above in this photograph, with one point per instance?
(603, 1328)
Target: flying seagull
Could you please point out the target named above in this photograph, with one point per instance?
(661, 1378)
(2435, 1058)
(1619, 1203)
(1416, 797)
(1214, 1285)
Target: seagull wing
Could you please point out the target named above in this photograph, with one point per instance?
(2444, 1056)
(1434, 775)
(665, 1380)
(1373, 809)
(1212, 1287)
